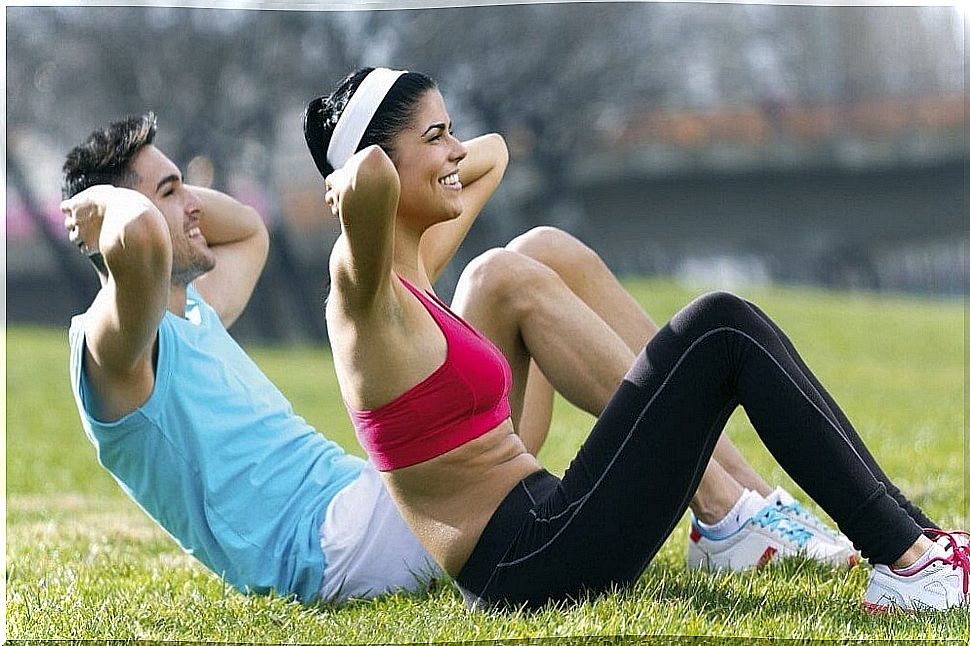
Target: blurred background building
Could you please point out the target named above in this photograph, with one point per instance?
(728, 144)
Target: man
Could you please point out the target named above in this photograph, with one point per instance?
(199, 437)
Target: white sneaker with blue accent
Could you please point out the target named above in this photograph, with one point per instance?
(937, 581)
(765, 537)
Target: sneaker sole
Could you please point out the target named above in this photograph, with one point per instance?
(879, 609)
(876, 609)
(768, 559)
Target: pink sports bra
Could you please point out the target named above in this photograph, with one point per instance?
(464, 398)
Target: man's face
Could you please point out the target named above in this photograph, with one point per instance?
(160, 180)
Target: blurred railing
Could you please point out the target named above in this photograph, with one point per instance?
(812, 123)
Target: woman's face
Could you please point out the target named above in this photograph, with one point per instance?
(426, 156)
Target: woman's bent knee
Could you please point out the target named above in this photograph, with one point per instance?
(719, 301)
(714, 309)
(553, 247)
(540, 240)
(504, 277)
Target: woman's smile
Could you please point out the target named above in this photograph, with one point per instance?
(451, 181)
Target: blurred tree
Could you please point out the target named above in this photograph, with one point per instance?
(561, 81)
(216, 79)
(551, 78)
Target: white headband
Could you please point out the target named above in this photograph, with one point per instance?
(358, 113)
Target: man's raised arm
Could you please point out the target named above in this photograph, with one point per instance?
(122, 323)
(238, 239)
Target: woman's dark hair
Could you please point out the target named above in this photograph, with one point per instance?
(105, 156)
(392, 116)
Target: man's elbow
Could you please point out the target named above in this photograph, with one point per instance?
(141, 243)
(260, 241)
(255, 235)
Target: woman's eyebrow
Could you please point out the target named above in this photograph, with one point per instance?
(432, 127)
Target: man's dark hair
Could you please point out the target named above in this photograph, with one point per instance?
(393, 115)
(105, 156)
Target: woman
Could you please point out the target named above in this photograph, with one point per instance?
(429, 395)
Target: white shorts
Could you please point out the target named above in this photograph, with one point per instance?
(369, 550)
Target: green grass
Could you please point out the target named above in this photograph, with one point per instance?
(84, 562)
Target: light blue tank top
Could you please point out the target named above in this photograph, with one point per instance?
(218, 458)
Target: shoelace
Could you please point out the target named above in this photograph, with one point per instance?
(959, 557)
(797, 510)
(777, 522)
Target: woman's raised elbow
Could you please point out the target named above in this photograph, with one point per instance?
(375, 175)
(501, 148)
(374, 165)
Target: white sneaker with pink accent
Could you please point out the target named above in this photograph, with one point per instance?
(937, 581)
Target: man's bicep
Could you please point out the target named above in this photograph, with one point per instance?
(118, 360)
(122, 323)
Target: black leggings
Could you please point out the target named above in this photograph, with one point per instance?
(625, 491)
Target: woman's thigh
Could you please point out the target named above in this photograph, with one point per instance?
(626, 489)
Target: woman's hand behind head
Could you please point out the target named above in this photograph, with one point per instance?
(368, 182)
